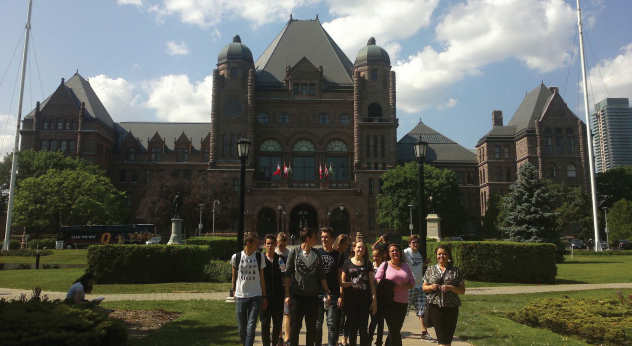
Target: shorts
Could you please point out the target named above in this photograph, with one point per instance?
(417, 300)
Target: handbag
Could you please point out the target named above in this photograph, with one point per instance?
(384, 292)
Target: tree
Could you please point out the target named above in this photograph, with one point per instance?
(399, 189)
(529, 209)
(67, 197)
(494, 216)
(615, 184)
(620, 220)
(573, 209)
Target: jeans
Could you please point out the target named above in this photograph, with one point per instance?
(247, 310)
(303, 306)
(444, 321)
(274, 314)
(394, 314)
(357, 307)
(376, 327)
(333, 317)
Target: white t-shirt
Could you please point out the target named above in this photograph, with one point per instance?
(76, 289)
(248, 280)
(416, 263)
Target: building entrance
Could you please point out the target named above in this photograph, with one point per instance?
(303, 215)
(339, 220)
(266, 222)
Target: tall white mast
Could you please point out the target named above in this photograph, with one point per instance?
(593, 188)
(14, 162)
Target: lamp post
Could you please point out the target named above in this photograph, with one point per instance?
(216, 203)
(243, 145)
(410, 224)
(280, 218)
(420, 153)
(605, 216)
(200, 225)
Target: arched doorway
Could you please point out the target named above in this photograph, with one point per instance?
(339, 220)
(303, 215)
(266, 222)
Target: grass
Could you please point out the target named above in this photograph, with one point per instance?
(201, 323)
(58, 257)
(595, 269)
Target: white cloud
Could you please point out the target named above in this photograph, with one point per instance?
(175, 48)
(7, 133)
(476, 33)
(175, 98)
(130, 2)
(120, 97)
(611, 77)
(387, 21)
(206, 13)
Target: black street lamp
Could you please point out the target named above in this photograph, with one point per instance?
(420, 153)
(243, 145)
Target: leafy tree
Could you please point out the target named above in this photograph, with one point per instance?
(494, 216)
(620, 220)
(399, 189)
(529, 209)
(67, 197)
(615, 184)
(573, 209)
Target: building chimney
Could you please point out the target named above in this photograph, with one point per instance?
(497, 118)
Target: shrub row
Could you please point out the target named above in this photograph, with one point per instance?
(218, 271)
(37, 322)
(502, 261)
(598, 321)
(602, 253)
(148, 263)
(48, 243)
(221, 248)
(26, 252)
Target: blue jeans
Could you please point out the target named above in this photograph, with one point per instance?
(333, 319)
(247, 310)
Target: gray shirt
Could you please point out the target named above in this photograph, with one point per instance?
(305, 272)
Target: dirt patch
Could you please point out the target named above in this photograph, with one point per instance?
(143, 322)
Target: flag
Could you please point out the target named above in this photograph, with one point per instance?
(289, 170)
(320, 171)
(284, 169)
(326, 172)
(278, 170)
(331, 169)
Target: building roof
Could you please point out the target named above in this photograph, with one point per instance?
(235, 51)
(372, 54)
(441, 149)
(170, 132)
(531, 108)
(298, 39)
(82, 92)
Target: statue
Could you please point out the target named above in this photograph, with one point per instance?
(176, 205)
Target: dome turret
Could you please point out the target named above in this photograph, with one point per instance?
(235, 51)
(372, 54)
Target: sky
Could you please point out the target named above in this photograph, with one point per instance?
(456, 60)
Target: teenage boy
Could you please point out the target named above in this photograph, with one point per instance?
(274, 288)
(416, 297)
(249, 287)
(331, 265)
(304, 281)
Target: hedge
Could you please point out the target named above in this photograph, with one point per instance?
(221, 248)
(502, 261)
(218, 271)
(598, 321)
(37, 322)
(148, 263)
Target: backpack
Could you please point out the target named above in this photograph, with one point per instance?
(238, 259)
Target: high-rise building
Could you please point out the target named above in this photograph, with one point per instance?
(612, 133)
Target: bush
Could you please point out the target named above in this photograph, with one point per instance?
(221, 248)
(26, 252)
(48, 243)
(602, 253)
(13, 244)
(502, 261)
(218, 271)
(148, 263)
(598, 321)
(36, 322)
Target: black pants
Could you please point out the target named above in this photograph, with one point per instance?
(274, 314)
(444, 321)
(376, 327)
(303, 306)
(394, 314)
(357, 307)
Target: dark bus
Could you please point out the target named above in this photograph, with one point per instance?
(82, 236)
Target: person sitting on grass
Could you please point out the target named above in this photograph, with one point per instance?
(77, 292)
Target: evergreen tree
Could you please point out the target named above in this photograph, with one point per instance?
(529, 209)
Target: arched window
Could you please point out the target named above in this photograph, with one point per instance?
(337, 146)
(337, 160)
(269, 160)
(270, 145)
(571, 171)
(303, 145)
(304, 164)
(375, 110)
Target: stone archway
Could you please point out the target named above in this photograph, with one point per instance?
(339, 220)
(303, 215)
(266, 222)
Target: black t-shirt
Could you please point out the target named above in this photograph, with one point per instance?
(358, 275)
(330, 263)
(273, 278)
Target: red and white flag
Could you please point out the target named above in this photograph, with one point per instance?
(284, 169)
(326, 172)
(278, 170)
(320, 171)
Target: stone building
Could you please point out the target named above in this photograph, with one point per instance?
(544, 132)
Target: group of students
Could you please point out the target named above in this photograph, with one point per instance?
(339, 285)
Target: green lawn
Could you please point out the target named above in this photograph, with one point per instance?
(595, 269)
(58, 257)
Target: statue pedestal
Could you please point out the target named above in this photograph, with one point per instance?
(433, 222)
(176, 232)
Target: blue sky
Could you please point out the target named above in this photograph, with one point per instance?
(456, 60)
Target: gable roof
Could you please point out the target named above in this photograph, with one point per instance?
(170, 132)
(531, 108)
(298, 39)
(440, 147)
(82, 92)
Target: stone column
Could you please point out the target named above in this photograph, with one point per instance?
(433, 222)
(212, 155)
(251, 115)
(176, 232)
(356, 123)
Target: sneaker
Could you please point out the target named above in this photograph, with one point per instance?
(426, 336)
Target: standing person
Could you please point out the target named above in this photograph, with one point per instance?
(274, 287)
(443, 283)
(358, 293)
(377, 320)
(282, 250)
(397, 272)
(331, 266)
(343, 246)
(303, 282)
(415, 258)
(249, 287)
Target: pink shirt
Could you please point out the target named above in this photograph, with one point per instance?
(399, 277)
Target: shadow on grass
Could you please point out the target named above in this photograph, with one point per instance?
(590, 262)
(564, 281)
(190, 332)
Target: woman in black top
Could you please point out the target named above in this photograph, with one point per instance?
(358, 293)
